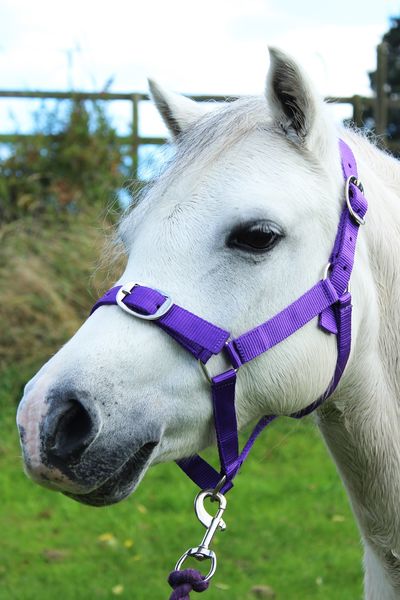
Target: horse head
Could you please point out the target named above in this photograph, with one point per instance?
(240, 223)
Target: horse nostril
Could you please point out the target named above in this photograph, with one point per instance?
(70, 431)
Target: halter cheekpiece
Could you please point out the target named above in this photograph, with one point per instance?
(329, 300)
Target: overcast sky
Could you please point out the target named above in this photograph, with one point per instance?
(212, 46)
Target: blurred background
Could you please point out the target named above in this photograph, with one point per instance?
(78, 137)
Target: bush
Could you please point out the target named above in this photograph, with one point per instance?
(70, 160)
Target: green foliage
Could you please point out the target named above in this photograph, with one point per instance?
(289, 527)
(70, 161)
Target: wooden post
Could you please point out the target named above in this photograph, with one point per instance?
(135, 136)
(358, 111)
(381, 100)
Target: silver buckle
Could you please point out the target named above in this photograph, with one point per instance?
(127, 288)
(358, 184)
(206, 372)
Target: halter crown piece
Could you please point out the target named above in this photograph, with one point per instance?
(329, 299)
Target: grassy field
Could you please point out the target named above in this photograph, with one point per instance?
(289, 524)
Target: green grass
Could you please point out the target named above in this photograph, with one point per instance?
(289, 527)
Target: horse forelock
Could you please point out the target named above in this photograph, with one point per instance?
(201, 145)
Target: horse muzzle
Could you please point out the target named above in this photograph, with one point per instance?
(71, 444)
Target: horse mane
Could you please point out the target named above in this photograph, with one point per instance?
(380, 173)
(220, 129)
(370, 146)
(203, 143)
(213, 134)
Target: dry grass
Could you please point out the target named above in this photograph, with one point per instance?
(50, 274)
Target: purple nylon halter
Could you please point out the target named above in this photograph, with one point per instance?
(329, 299)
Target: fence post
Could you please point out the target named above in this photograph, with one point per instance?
(135, 136)
(381, 100)
(358, 108)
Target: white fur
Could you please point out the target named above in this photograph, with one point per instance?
(238, 163)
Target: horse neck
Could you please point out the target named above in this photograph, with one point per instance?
(361, 423)
(382, 173)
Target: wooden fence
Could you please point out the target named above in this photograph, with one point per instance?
(379, 106)
(133, 140)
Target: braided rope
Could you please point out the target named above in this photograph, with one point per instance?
(184, 582)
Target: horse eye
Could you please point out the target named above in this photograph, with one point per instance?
(260, 236)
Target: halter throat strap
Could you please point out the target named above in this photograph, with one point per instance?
(329, 300)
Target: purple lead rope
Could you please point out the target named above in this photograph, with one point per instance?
(184, 582)
(329, 300)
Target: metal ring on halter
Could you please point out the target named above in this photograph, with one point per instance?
(326, 273)
(218, 487)
(206, 372)
(127, 288)
(353, 180)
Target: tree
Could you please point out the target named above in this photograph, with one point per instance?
(392, 41)
(385, 82)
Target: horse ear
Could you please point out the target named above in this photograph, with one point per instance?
(295, 106)
(177, 112)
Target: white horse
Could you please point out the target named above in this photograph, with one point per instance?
(239, 225)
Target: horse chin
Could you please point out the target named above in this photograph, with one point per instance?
(122, 483)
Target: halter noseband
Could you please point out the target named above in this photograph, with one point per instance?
(329, 299)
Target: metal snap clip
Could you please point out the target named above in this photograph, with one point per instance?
(212, 524)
